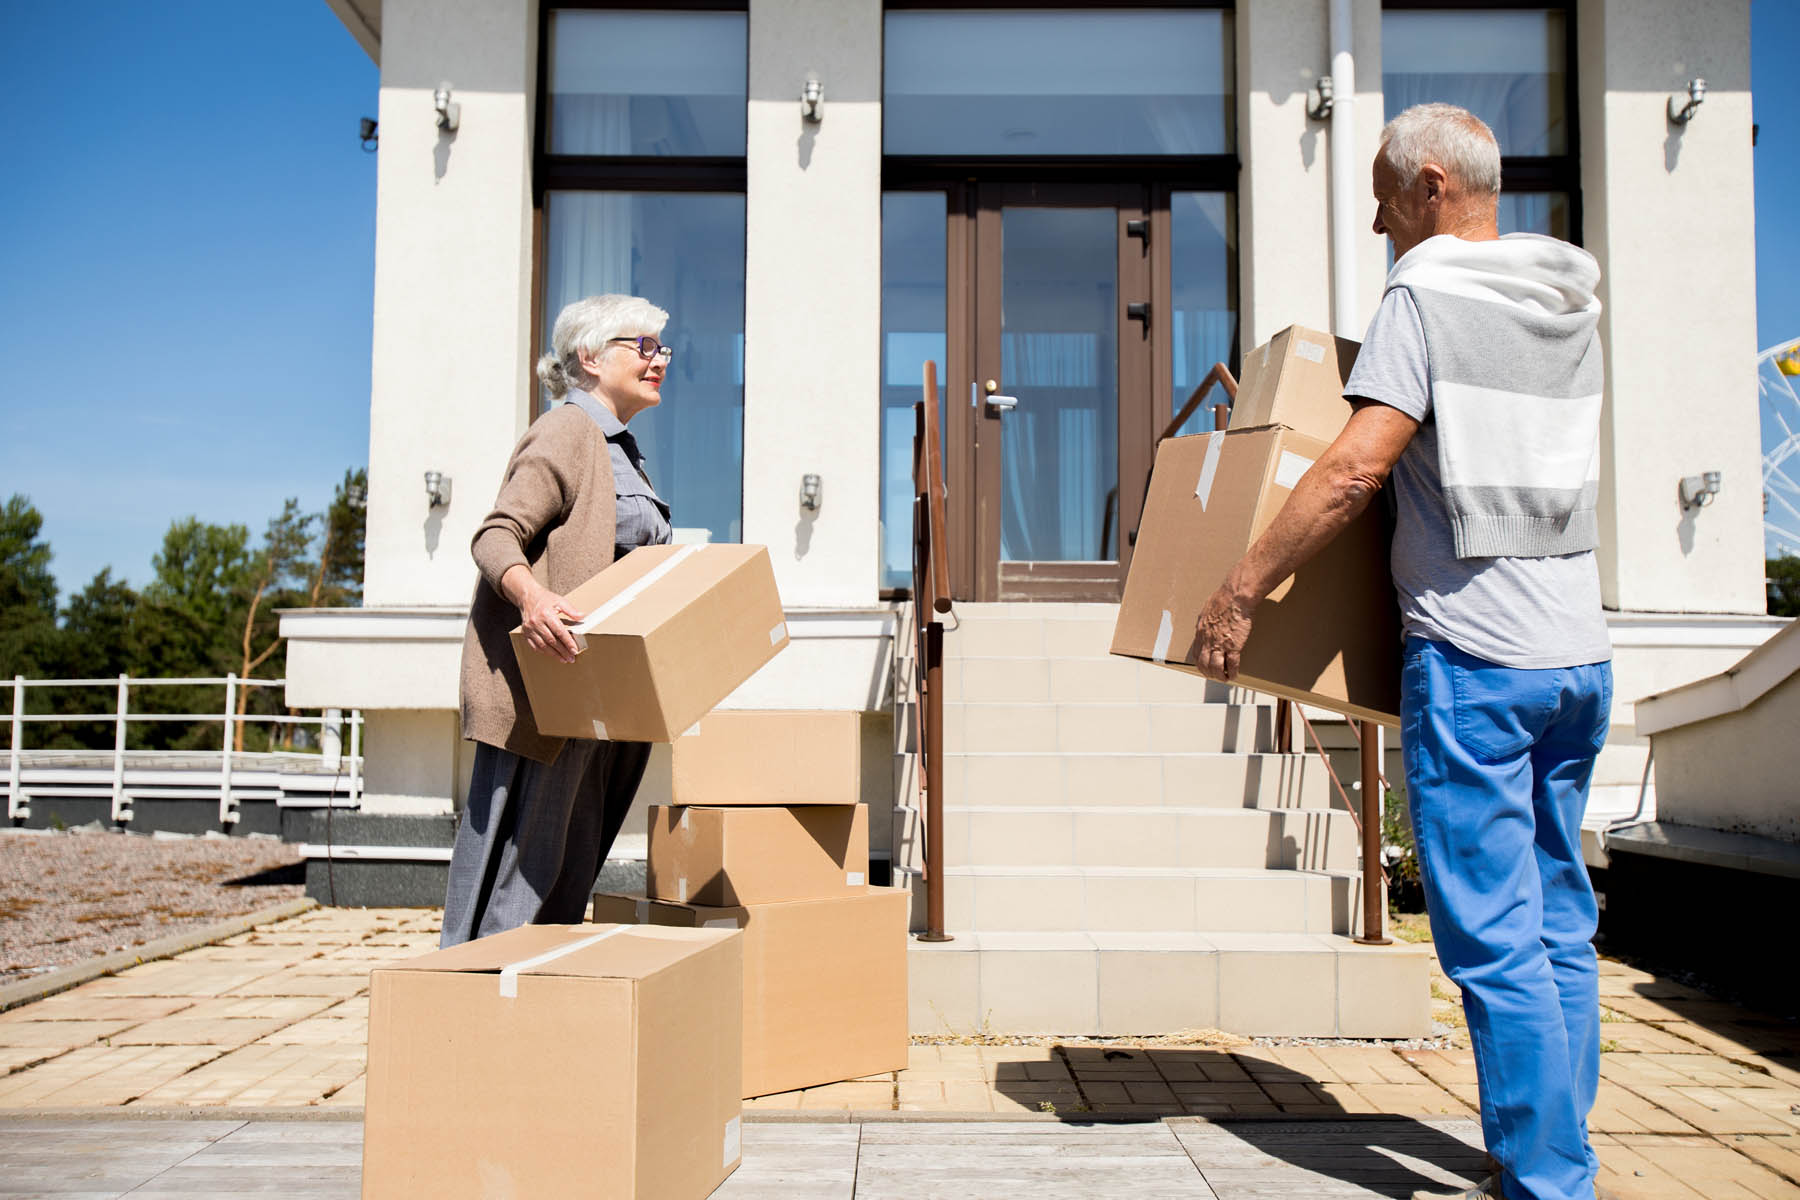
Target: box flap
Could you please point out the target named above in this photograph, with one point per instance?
(661, 580)
(622, 951)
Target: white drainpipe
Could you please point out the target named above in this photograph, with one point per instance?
(1344, 230)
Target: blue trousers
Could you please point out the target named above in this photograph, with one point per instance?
(1498, 761)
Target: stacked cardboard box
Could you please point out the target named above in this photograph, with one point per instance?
(1329, 635)
(766, 834)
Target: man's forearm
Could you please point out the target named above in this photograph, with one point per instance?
(1323, 503)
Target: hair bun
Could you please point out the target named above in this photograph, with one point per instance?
(550, 372)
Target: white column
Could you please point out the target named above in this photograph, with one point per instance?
(812, 299)
(450, 384)
(1669, 211)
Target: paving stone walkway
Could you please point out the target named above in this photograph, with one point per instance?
(1698, 1098)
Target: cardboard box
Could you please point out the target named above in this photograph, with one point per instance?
(669, 631)
(1329, 635)
(742, 757)
(1296, 379)
(824, 982)
(727, 856)
(557, 1060)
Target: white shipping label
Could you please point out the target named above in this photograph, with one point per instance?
(1291, 467)
(853, 878)
(777, 633)
(600, 731)
(734, 1141)
(1209, 467)
(1165, 633)
(1310, 351)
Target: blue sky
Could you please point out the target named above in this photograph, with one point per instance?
(188, 259)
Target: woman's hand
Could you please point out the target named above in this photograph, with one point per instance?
(541, 613)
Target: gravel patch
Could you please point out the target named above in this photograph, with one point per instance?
(74, 895)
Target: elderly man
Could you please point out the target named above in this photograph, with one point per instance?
(1478, 389)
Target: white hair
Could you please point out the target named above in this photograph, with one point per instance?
(1453, 138)
(588, 325)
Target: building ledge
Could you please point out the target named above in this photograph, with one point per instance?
(1707, 847)
(1727, 692)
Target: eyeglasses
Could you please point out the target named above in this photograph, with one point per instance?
(648, 347)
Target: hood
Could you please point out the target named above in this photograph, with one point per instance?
(1540, 273)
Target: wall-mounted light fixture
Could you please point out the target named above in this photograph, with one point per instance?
(1697, 491)
(1318, 99)
(449, 114)
(1683, 107)
(810, 493)
(370, 139)
(437, 489)
(812, 99)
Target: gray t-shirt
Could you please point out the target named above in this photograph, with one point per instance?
(1518, 612)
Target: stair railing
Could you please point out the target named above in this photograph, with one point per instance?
(931, 601)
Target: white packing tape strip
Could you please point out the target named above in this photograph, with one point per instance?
(1291, 467)
(1310, 351)
(600, 731)
(681, 889)
(777, 633)
(734, 1140)
(636, 589)
(642, 913)
(1209, 467)
(692, 730)
(1165, 633)
(720, 923)
(853, 878)
(509, 976)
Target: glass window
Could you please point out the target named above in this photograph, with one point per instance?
(648, 83)
(683, 251)
(1203, 289)
(1506, 66)
(1535, 212)
(1058, 81)
(912, 332)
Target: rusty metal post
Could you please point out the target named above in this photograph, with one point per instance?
(1374, 923)
(932, 728)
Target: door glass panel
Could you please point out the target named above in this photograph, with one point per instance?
(1505, 66)
(659, 83)
(1059, 356)
(912, 332)
(683, 251)
(1058, 81)
(1203, 289)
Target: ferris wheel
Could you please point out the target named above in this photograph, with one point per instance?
(1777, 370)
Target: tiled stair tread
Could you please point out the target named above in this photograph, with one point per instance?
(1202, 942)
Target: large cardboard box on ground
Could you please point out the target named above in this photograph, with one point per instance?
(726, 856)
(751, 757)
(668, 632)
(1296, 379)
(824, 982)
(1329, 635)
(558, 1060)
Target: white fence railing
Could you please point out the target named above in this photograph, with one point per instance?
(331, 758)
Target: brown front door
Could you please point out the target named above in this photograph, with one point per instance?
(1060, 406)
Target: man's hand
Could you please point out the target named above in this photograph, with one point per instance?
(1220, 634)
(541, 614)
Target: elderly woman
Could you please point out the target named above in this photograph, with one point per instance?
(543, 812)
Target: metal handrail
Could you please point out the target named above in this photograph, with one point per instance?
(931, 599)
(329, 720)
(1220, 375)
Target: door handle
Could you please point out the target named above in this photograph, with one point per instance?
(1003, 403)
(1138, 310)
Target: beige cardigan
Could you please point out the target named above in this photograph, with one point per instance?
(555, 514)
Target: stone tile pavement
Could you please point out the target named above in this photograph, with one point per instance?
(1698, 1098)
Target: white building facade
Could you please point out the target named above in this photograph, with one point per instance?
(1082, 208)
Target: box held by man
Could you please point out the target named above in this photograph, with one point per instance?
(741, 855)
(1328, 636)
(769, 757)
(667, 632)
(558, 1060)
(1296, 379)
(824, 982)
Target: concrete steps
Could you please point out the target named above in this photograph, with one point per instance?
(1127, 852)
